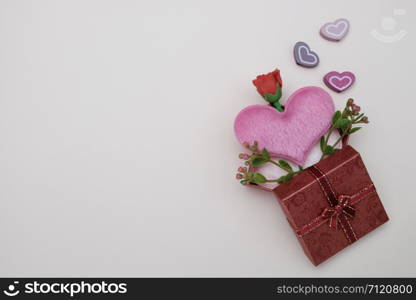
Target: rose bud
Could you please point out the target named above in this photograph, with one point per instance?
(350, 102)
(268, 83)
(239, 176)
(365, 120)
(270, 87)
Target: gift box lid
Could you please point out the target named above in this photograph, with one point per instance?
(302, 197)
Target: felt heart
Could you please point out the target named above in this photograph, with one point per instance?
(304, 56)
(339, 82)
(290, 134)
(335, 31)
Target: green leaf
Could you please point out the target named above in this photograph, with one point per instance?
(266, 154)
(257, 161)
(342, 123)
(281, 179)
(285, 178)
(346, 127)
(271, 98)
(289, 176)
(322, 143)
(328, 150)
(355, 129)
(285, 165)
(259, 178)
(336, 116)
(300, 168)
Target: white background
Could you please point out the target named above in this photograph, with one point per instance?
(117, 152)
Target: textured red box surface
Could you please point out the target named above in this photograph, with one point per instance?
(303, 200)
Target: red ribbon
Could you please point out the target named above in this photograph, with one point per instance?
(334, 213)
(339, 210)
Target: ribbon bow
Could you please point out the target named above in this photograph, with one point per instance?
(333, 213)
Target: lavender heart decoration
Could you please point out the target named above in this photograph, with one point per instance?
(304, 56)
(339, 82)
(335, 31)
(290, 134)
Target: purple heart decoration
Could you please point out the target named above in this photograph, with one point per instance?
(335, 31)
(304, 56)
(339, 82)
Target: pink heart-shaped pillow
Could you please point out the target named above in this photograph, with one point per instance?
(290, 134)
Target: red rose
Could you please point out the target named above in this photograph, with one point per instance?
(268, 83)
(270, 87)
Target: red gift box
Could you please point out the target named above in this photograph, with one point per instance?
(331, 204)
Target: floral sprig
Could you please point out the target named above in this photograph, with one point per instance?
(343, 122)
(258, 158)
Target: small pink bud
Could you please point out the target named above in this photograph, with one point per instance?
(355, 108)
(246, 144)
(350, 102)
(239, 176)
(246, 156)
(241, 169)
(241, 155)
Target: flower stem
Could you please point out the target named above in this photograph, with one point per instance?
(344, 133)
(278, 106)
(277, 179)
(329, 133)
(280, 166)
